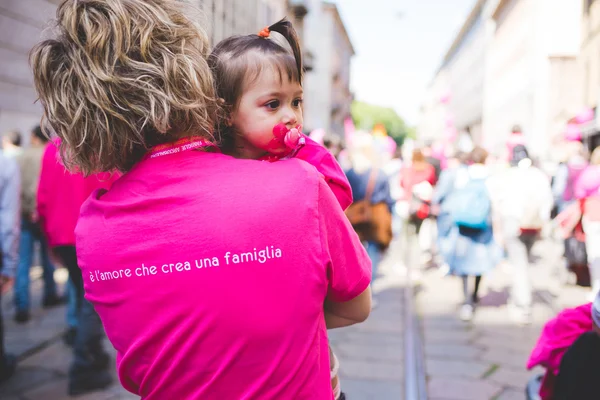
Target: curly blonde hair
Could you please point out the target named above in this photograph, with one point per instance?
(121, 76)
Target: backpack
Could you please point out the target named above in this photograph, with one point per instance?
(471, 206)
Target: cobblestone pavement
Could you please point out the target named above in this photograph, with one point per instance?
(371, 355)
(486, 359)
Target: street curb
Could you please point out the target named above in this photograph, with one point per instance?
(415, 375)
(415, 384)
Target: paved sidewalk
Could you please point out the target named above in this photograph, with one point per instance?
(43, 357)
(371, 354)
(486, 359)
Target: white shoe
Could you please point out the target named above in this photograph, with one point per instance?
(444, 269)
(466, 312)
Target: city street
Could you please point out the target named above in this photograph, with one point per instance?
(486, 359)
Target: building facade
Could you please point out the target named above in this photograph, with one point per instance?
(589, 70)
(327, 96)
(226, 18)
(454, 102)
(21, 25)
(515, 62)
(465, 66)
(532, 59)
(434, 111)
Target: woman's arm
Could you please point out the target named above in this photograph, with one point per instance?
(348, 299)
(357, 310)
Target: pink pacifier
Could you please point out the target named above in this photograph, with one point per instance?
(285, 142)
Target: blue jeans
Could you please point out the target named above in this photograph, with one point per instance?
(375, 255)
(71, 304)
(89, 335)
(29, 236)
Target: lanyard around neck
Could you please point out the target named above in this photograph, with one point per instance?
(180, 146)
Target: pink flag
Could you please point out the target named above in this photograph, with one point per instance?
(317, 135)
(349, 130)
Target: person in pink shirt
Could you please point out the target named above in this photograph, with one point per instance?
(587, 190)
(59, 198)
(214, 277)
(515, 138)
(264, 112)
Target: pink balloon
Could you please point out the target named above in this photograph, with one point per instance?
(449, 121)
(349, 129)
(317, 135)
(585, 116)
(573, 133)
(445, 98)
(391, 145)
(450, 134)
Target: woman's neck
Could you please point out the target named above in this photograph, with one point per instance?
(241, 148)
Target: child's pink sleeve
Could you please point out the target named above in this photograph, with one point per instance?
(319, 157)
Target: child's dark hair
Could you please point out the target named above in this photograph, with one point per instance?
(237, 61)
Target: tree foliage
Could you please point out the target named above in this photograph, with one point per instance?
(365, 116)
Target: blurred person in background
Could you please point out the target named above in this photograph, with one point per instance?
(515, 138)
(9, 245)
(417, 180)
(474, 252)
(11, 143)
(29, 161)
(569, 170)
(431, 159)
(441, 202)
(59, 199)
(392, 169)
(333, 144)
(522, 202)
(369, 182)
(587, 190)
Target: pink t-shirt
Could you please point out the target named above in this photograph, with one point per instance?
(588, 183)
(61, 194)
(322, 159)
(210, 274)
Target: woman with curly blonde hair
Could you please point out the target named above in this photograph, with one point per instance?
(214, 277)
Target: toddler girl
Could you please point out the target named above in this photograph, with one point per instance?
(259, 84)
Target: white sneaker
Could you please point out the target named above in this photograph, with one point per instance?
(444, 269)
(466, 312)
(520, 315)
